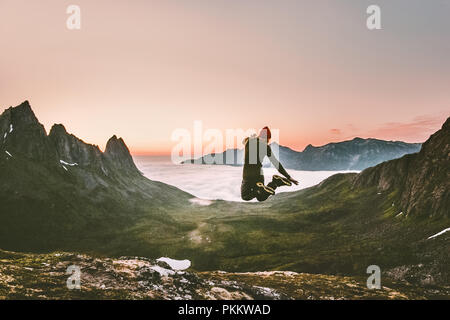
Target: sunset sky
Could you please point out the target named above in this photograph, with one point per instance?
(141, 69)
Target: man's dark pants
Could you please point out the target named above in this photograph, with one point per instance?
(250, 190)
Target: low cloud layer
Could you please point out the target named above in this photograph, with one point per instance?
(214, 182)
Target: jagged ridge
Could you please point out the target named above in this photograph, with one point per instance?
(56, 190)
(29, 139)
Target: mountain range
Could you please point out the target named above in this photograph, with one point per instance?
(356, 154)
(58, 193)
(57, 189)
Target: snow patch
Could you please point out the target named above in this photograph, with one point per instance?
(162, 271)
(439, 233)
(9, 154)
(201, 202)
(68, 164)
(267, 291)
(4, 136)
(176, 264)
(65, 168)
(10, 128)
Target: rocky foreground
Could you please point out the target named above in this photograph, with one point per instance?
(44, 276)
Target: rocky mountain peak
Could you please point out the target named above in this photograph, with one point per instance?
(23, 134)
(23, 114)
(437, 146)
(58, 129)
(20, 116)
(116, 147)
(74, 150)
(117, 152)
(308, 147)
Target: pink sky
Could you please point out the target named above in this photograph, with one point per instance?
(142, 69)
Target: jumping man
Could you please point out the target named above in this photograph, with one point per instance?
(256, 148)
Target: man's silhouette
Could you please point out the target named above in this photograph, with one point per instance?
(256, 149)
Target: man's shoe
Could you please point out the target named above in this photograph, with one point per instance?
(265, 189)
(281, 181)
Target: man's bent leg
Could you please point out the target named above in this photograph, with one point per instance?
(278, 181)
(248, 189)
(263, 192)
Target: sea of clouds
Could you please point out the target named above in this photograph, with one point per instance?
(213, 182)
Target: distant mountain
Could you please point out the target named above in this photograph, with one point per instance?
(356, 154)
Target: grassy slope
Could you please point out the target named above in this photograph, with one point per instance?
(44, 207)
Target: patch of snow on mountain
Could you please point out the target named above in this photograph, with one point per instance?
(68, 164)
(439, 233)
(163, 271)
(10, 128)
(176, 264)
(9, 154)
